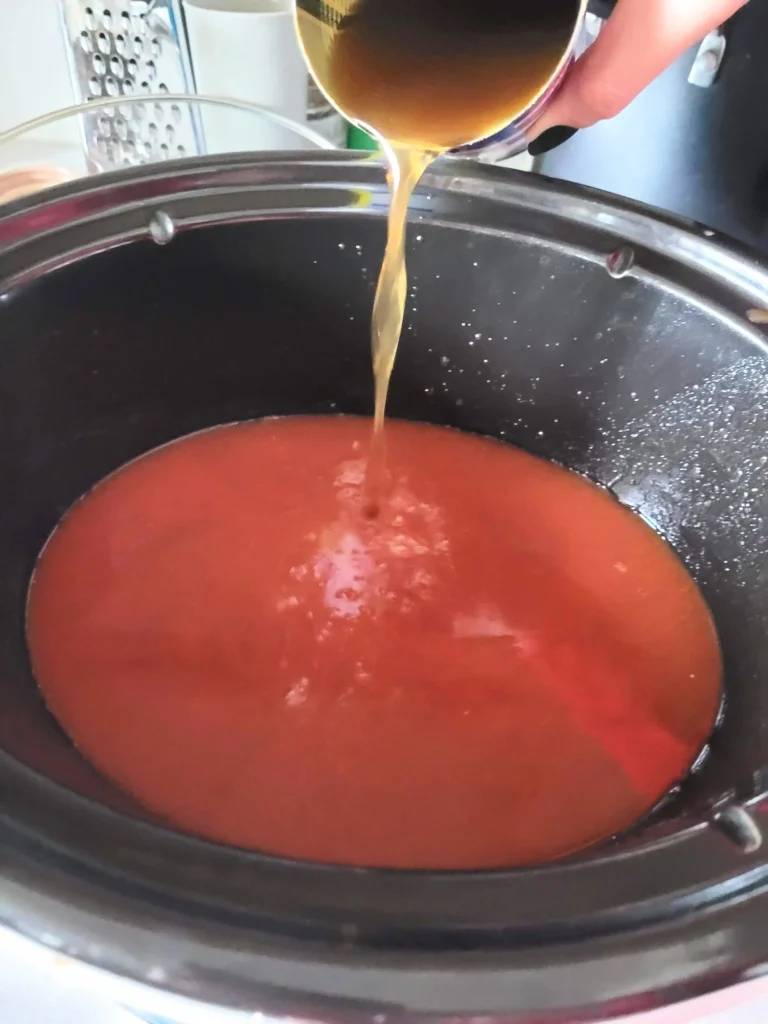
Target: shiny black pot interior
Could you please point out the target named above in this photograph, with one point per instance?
(641, 381)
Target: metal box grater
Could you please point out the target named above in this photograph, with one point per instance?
(131, 49)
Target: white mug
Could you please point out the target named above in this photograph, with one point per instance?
(247, 49)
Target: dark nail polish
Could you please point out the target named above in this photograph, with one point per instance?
(550, 139)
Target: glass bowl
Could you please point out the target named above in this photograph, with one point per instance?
(112, 132)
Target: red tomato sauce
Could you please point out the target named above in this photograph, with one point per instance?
(505, 666)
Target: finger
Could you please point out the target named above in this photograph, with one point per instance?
(638, 41)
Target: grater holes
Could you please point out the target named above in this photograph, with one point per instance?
(106, 148)
(138, 54)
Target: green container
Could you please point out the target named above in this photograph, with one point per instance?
(357, 138)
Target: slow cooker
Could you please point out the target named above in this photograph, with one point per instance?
(149, 303)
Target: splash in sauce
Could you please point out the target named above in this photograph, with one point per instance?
(503, 667)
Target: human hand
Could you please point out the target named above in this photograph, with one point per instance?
(25, 181)
(638, 41)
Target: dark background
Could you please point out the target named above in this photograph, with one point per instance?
(700, 153)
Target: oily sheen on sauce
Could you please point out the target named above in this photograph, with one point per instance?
(502, 667)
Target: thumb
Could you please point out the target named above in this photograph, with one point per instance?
(639, 40)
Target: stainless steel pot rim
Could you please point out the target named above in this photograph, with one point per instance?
(623, 221)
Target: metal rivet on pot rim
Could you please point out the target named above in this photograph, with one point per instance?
(738, 825)
(161, 227)
(620, 262)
